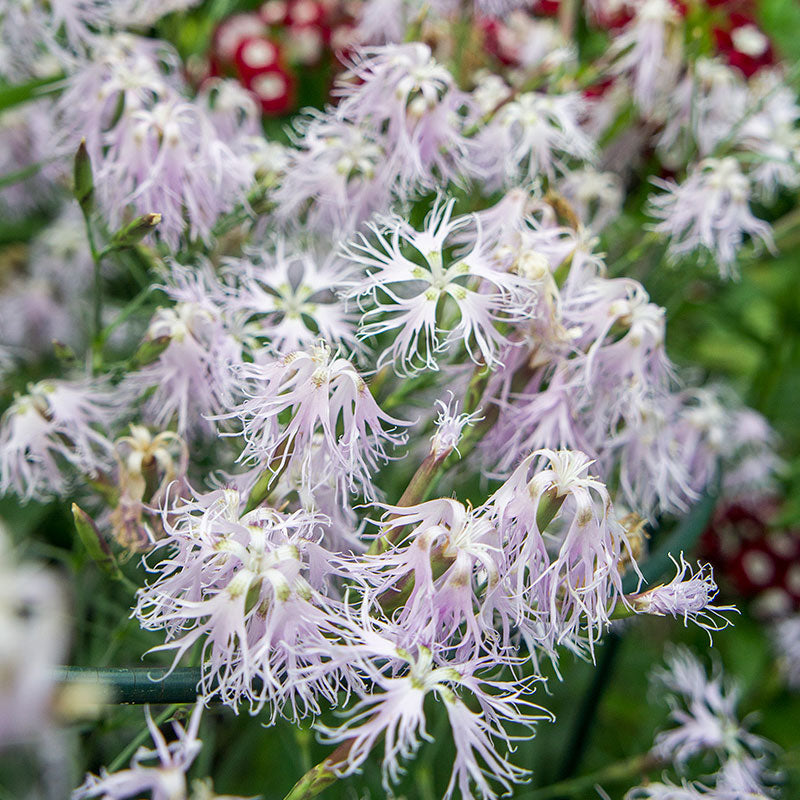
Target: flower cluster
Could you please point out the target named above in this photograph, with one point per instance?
(381, 416)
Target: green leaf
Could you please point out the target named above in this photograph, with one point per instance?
(17, 94)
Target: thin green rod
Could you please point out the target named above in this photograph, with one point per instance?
(139, 685)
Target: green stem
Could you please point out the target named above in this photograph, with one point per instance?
(134, 305)
(620, 771)
(140, 739)
(587, 711)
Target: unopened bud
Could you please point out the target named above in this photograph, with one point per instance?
(84, 181)
(134, 231)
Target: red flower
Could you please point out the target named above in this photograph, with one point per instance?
(744, 44)
(275, 89)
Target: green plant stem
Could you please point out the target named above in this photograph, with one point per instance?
(587, 711)
(618, 772)
(140, 739)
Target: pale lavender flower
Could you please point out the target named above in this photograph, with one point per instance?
(192, 377)
(337, 173)
(168, 159)
(25, 141)
(750, 452)
(709, 210)
(649, 50)
(688, 597)
(60, 29)
(739, 778)
(164, 780)
(232, 110)
(449, 426)
(742, 778)
(401, 91)
(242, 585)
(151, 148)
(703, 710)
(617, 375)
(705, 105)
(539, 417)
(384, 80)
(126, 71)
(289, 297)
(33, 642)
(675, 451)
(51, 302)
(533, 42)
(382, 21)
(322, 391)
(33, 316)
(654, 471)
(565, 588)
(535, 134)
(770, 132)
(405, 294)
(595, 196)
(453, 563)
(320, 498)
(51, 433)
(397, 714)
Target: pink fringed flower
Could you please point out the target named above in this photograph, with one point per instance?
(452, 562)
(567, 589)
(649, 50)
(290, 298)
(336, 174)
(247, 587)
(397, 714)
(192, 378)
(401, 93)
(322, 392)
(535, 134)
(703, 711)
